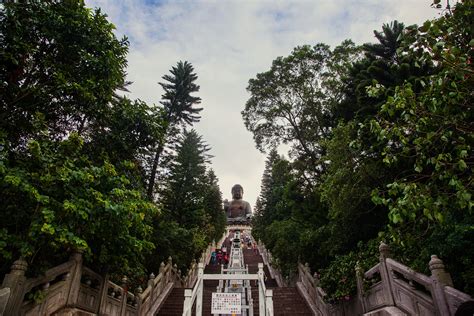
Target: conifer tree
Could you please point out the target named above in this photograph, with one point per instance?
(178, 108)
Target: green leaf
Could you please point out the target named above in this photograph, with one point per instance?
(48, 229)
(462, 164)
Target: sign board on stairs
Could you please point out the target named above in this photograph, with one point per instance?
(226, 303)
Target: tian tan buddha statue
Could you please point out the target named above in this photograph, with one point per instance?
(238, 210)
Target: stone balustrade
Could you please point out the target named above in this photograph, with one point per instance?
(72, 288)
(268, 260)
(388, 284)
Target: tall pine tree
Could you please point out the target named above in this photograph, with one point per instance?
(178, 108)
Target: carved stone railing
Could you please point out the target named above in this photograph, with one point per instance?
(268, 260)
(71, 287)
(308, 287)
(390, 284)
(55, 288)
(151, 299)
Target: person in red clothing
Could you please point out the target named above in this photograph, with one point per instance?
(226, 259)
(254, 246)
(219, 257)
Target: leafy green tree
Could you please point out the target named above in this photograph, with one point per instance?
(178, 108)
(60, 59)
(129, 130)
(55, 200)
(346, 187)
(383, 63)
(431, 130)
(70, 149)
(287, 214)
(291, 102)
(398, 167)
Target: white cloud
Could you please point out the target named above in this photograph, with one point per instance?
(229, 42)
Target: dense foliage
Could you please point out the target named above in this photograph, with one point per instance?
(191, 201)
(389, 157)
(75, 155)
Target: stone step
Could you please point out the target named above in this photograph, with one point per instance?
(173, 305)
(286, 301)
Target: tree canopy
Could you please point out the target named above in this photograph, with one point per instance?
(384, 151)
(74, 154)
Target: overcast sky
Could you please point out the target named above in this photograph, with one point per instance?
(228, 42)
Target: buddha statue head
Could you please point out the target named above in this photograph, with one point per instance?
(237, 192)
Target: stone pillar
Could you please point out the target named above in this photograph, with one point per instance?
(15, 281)
(124, 290)
(269, 301)
(187, 302)
(138, 298)
(440, 279)
(438, 272)
(360, 286)
(261, 294)
(103, 295)
(75, 279)
(384, 251)
(151, 284)
(200, 284)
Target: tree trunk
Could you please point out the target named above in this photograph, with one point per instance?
(151, 182)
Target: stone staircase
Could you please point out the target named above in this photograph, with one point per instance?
(209, 287)
(173, 305)
(286, 300)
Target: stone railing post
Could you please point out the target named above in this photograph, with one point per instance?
(200, 284)
(138, 297)
(15, 281)
(261, 294)
(161, 271)
(76, 276)
(384, 251)
(187, 302)
(103, 295)
(269, 302)
(124, 295)
(360, 286)
(440, 278)
(151, 284)
(317, 296)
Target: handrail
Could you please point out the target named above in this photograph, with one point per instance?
(189, 300)
(408, 272)
(267, 260)
(49, 275)
(194, 277)
(370, 273)
(194, 295)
